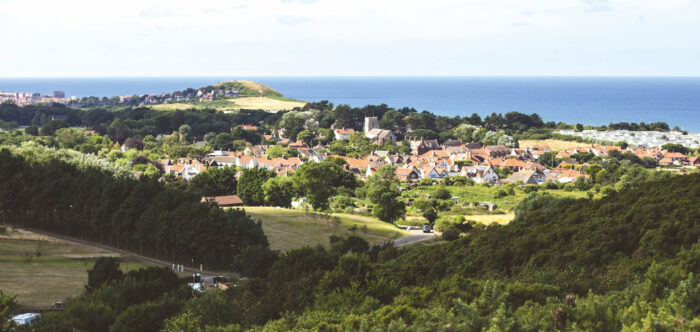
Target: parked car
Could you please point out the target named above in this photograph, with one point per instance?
(426, 228)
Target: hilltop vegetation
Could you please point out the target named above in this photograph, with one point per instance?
(249, 89)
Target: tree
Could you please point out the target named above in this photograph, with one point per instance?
(275, 151)
(134, 143)
(8, 303)
(279, 191)
(32, 130)
(250, 185)
(319, 181)
(50, 127)
(215, 182)
(578, 127)
(430, 214)
(306, 136)
(70, 138)
(383, 192)
(103, 271)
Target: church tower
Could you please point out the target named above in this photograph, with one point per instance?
(371, 123)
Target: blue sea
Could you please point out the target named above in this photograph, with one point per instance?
(586, 100)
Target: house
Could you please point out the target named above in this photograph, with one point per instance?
(223, 201)
(249, 127)
(421, 146)
(408, 174)
(694, 161)
(496, 151)
(343, 133)
(480, 173)
(433, 173)
(526, 177)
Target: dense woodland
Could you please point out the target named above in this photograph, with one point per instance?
(628, 262)
(79, 195)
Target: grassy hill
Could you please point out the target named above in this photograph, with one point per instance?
(252, 96)
(249, 89)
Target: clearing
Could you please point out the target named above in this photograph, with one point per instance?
(59, 272)
(288, 228)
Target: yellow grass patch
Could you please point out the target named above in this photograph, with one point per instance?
(265, 103)
(488, 219)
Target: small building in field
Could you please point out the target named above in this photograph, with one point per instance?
(223, 201)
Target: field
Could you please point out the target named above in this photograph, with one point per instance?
(58, 273)
(555, 145)
(235, 104)
(488, 219)
(288, 228)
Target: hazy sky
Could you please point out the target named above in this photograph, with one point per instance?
(359, 37)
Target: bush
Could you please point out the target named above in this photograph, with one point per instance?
(442, 193)
(530, 188)
(450, 232)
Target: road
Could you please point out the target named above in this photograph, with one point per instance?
(416, 235)
(207, 275)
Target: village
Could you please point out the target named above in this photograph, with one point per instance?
(429, 158)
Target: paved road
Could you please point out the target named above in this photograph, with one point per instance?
(205, 274)
(416, 235)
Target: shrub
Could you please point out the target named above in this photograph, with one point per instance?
(450, 232)
(442, 193)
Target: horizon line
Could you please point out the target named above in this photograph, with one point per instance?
(356, 76)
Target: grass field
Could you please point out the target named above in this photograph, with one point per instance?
(235, 104)
(555, 145)
(60, 272)
(288, 228)
(488, 219)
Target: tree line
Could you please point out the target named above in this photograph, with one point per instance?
(82, 196)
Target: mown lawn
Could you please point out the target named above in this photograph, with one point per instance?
(58, 273)
(291, 228)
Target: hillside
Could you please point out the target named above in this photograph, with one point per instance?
(249, 89)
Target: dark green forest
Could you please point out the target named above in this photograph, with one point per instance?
(74, 194)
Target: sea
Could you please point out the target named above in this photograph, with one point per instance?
(586, 100)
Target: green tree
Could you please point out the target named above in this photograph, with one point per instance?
(383, 192)
(279, 191)
(104, 270)
(215, 182)
(319, 181)
(32, 130)
(8, 303)
(306, 136)
(250, 185)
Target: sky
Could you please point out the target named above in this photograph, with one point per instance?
(88, 38)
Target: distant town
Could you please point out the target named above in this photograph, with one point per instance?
(188, 95)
